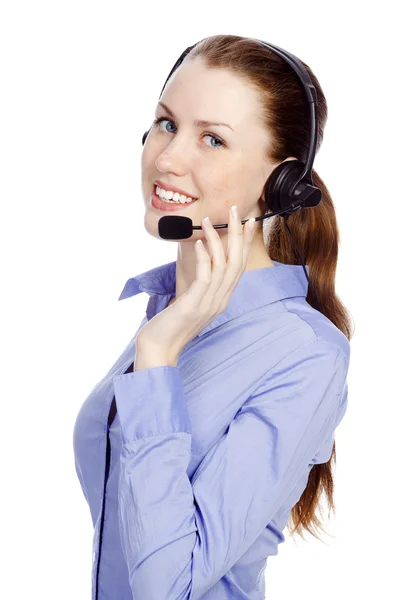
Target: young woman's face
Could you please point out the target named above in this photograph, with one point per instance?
(220, 165)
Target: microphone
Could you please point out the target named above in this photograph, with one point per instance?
(176, 227)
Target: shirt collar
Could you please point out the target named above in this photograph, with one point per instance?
(255, 289)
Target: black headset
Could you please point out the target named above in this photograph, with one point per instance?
(290, 186)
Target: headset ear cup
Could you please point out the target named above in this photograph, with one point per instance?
(279, 184)
(271, 190)
(145, 136)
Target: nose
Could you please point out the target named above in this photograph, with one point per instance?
(173, 157)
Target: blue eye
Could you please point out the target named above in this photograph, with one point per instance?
(157, 121)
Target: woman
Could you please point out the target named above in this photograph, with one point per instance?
(223, 426)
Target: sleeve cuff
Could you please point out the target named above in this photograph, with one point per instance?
(151, 402)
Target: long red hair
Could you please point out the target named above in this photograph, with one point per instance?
(286, 117)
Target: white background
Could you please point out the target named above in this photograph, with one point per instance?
(79, 82)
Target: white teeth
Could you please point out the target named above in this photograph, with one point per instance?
(168, 196)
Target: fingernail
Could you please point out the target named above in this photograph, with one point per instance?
(252, 224)
(235, 213)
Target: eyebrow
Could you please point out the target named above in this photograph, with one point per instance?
(197, 122)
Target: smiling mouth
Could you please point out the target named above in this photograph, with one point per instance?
(170, 201)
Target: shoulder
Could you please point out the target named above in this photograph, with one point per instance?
(317, 327)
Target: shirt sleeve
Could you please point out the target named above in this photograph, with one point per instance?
(181, 535)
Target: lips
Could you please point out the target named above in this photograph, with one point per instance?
(158, 204)
(174, 189)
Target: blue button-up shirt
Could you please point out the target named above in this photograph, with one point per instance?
(191, 472)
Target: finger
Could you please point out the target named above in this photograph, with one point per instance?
(217, 268)
(241, 246)
(215, 247)
(238, 241)
(235, 241)
(196, 301)
(230, 267)
(211, 267)
(250, 229)
(248, 234)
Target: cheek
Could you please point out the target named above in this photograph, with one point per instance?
(147, 153)
(222, 175)
(144, 159)
(148, 161)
